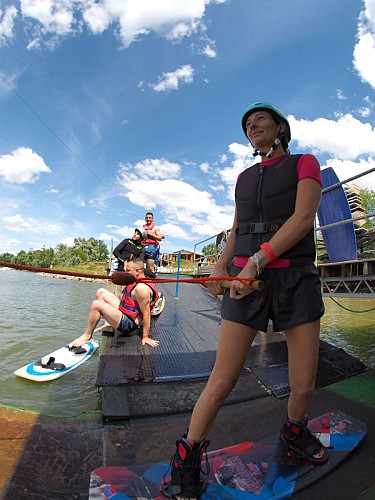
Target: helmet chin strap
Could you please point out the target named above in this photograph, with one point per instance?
(276, 142)
(257, 152)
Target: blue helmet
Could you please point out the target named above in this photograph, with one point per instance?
(268, 107)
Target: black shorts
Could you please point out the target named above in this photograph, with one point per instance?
(291, 297)
(127, 325)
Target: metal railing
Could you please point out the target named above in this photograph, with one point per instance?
(318, 228)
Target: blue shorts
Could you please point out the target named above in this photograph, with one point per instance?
(126, 325)
(291, 297)
(151, 252)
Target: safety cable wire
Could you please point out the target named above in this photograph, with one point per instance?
(54, 133)
(352, 310)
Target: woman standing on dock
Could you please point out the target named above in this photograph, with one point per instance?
(272, 237)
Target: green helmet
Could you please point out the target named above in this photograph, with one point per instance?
(268, 107)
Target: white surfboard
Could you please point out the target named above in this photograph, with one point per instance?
(58, 363)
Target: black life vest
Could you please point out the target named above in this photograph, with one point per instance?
(265, 199)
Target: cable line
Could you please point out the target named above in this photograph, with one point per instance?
(352, 310)
(53, 132)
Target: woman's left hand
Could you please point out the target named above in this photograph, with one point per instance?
(238, 290)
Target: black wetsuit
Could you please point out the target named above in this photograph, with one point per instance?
(128, 250)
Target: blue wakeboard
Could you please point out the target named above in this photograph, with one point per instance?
(249, 470)
(340, 241)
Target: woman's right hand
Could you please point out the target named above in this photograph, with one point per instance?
(214, 287)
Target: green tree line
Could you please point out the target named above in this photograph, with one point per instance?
(82, 252)
(368, 203)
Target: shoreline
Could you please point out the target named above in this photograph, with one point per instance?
(74, 278)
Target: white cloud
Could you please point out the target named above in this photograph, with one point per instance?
(55, 17)
(181, 202)
(208, 47)
(242, 158)
(209, 51)
(68, 240)
(105, 237)
(171, 19)
(216, 188)
(125, 231)
(158, 168)
(171, 193)
(18, 224)
(22, 166)
(364, 50)
(98, 17)
(8, 204)
(347, 169)
(340, 95)
(9, 245)
(204, 167)
(170, 81)
(130, 19)
(174, 231)
(7, 24)
(364, 112)
(347, 138)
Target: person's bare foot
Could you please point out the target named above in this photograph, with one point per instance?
(106, 327)
(83, 339)
(150, 342)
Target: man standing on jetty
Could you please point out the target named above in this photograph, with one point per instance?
(151, 242)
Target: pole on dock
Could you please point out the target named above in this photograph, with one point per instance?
(178, 272)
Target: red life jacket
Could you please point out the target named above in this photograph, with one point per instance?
(149, 240)
(130, 307)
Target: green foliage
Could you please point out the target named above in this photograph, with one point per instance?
(83, 251)
(7, 257)
(368, 204)
(210, 251)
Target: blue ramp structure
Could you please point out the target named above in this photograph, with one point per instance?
(340, 241)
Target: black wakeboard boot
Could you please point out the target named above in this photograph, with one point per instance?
(185, 470)
(300, 441)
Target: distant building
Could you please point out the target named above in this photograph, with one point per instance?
(186, 255)
(353, 193)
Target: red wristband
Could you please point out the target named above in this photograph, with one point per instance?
(267, 249)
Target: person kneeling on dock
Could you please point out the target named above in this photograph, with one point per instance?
(127, 314)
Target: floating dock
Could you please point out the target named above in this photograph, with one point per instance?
(147, 396)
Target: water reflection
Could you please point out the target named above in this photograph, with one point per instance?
(343, 325)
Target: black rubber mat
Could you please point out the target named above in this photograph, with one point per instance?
(269, 362)
(187, 331)
(144, 400)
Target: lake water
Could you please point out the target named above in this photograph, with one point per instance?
(40, 314)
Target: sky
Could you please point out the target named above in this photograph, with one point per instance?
(112, 108)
